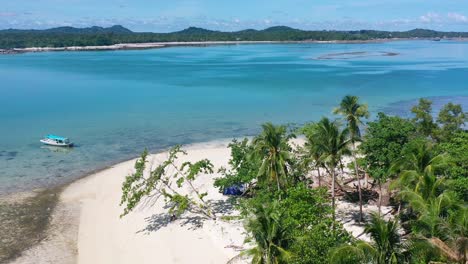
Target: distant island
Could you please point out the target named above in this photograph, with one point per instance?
(119, 37)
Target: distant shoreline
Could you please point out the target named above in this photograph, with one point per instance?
(155, 45)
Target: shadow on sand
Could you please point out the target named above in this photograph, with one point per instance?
(192, 219)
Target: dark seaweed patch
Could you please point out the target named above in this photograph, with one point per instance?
(12, 154)
(23, 223)
(8, 155)
(354, 55)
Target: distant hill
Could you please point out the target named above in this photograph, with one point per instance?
(280, 29)
(117, 29)
(98, 36)
(195, 30)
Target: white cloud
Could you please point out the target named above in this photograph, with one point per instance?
(430, 17)
(163, 23)
(449, 18)
(457, 17)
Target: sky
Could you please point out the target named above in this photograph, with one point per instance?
(173, 15)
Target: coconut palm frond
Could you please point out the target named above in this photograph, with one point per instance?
(273, 149)
(270, 234)
(386, 246)
(347, 254)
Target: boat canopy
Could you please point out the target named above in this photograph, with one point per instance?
(56, 137)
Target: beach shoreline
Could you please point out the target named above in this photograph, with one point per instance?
(15, 204)
(85, 225)
(72, 223)
(157, 45)
(14, 195)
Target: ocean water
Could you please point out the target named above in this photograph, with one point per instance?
(113, 104)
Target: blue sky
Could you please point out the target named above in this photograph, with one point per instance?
(171, 15)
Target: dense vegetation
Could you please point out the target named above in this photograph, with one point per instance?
(290, 192)
(97, 36)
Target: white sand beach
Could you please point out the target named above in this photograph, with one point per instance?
(86, 227)
(155, 45)
(135, 46)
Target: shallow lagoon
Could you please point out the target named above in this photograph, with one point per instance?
(113, 104)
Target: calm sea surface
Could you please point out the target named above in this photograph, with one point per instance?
(114, 104)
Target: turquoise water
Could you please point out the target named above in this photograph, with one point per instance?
(114, 104)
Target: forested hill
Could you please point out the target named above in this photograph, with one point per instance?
(117, 29)
(98, 36)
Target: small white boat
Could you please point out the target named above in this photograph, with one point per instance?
(57, 141)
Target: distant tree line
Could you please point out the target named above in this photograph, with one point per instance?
(98, 36)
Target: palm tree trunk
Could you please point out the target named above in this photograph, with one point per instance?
(277, 182)
(366, 180)
(380, 197)
(445, 249)
(333, 194)
(274, 172)
(464, 257)
(359, 183)
(342, 169)
(319, 180)
(285, 176)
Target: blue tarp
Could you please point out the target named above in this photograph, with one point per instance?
(234, 190)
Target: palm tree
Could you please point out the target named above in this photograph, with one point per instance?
(352, 111)
(387, 243)
(273, 148)
(333, 144)
(419, 167)
(312, 149)
(386, 246)
(431, 213)
(270, 234)
(440, 221)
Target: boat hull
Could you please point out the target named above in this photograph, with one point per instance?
(56, 144)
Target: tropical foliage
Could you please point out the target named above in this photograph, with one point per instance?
(311, 153)
(333, 143)
(166, 181)
(456, 149)
(353, 112)
(271, 234)
(306, 216)
(451, 119)
(243, 166)
(423, 117)
(386, 246)
(418, 163)
(273, 149)
(382, 146)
